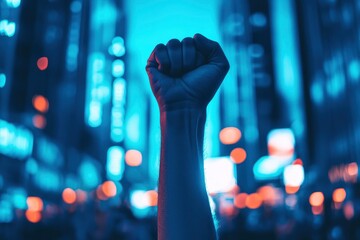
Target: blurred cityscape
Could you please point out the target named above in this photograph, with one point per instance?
(79, 127)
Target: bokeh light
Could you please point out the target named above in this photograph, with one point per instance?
(39, 121)
(238, 155)
(298, 161)
(2, 80)
(139, 199)
(13, 3)
(253, 201)
(117, 47)
(354, 70)
(352, 169)
(100, 194)
(109, 189)
(42, 63)
(118, 68)
(293, 175)
(7, 28)
(230, 135)
(115, 164)
(240, 200)
(33, 216)
(69, 196)
(271, 196)
(220, 175)
(34, 203)
(339, 195)
(291, 201)
(281, 142)
(317, 210)
(344, 172)
(349, 210)
(152, 195)
(316, 199)
(291, 189)
(133, 158)
(40, 103)
(80, 142)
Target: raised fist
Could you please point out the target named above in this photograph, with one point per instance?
(187, 73)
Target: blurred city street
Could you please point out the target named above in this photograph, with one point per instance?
(80, 128)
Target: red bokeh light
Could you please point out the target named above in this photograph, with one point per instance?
(42, 63)
(33, 216)
(238, 155)
(40, 103)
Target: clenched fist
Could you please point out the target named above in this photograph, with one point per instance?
(187, 73)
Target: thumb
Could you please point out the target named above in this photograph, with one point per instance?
(211, 50)
(158, 80)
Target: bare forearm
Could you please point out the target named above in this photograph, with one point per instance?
(187, 73)
(183, 201)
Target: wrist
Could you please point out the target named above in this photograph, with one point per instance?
(183, 106)
(183, 116)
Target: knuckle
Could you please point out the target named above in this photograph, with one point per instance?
(187, 40)
(173, 42)
(159, 47)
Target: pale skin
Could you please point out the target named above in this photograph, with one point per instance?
(184, 76)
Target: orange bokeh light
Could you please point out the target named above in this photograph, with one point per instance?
(230, 135)
(40, 103)
(240, 200)
(316, 199)
(253, 201)
(291, 189)
(39, 121)
(33, 216)
(352, 169)
(339, 195)
(238, 155)
(69, 196)
(42, 63)
(153, 198)
(133, 158)
(109, 189)
(35, 204)
(269, 195)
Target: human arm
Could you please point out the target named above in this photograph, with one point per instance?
(184, 76)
